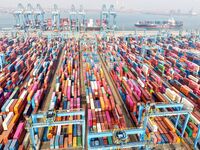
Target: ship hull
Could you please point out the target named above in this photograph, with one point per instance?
(158, 26)
(163, 25)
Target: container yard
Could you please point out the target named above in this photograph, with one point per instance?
(66, 83)
(101, 91)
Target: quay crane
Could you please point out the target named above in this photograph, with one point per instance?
(81, 19)
(104, 17)
(55, 18)
(39, 17)
(73, 18)
(112, 18)
(28, 16)
(19, 17)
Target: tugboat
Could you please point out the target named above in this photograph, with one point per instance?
(169, 24)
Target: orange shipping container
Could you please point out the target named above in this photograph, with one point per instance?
(184, 90)
(21, 147)
(102, 103)
(15, 118)
(6, 134)
(169, 124)
(11, 108)
(65, 142)
(70, 140)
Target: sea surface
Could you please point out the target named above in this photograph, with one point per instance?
(125, 21)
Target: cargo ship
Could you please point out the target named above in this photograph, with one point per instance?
(169, 24)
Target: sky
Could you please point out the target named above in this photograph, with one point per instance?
(161, 5)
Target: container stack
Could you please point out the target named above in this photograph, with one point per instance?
(22, 91)
(66, 96)
(161, 69)
(103, 112)
(142, 74)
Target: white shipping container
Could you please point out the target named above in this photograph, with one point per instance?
(193, 78)
(87, 99)
(9, 104)
(197, 67)
(34, 72)
(26, 141)
(92, 86)
(69, 83)
(140, 82)
(178, 98)
(57, 87)
(95, 85)
(59, 130)
(53, 94)
(7, 120)
(52, 105)
(98, 127)
(124, 78)
(30, 81)
(161, 57)
(187, 104)
(72, 90)
(145, 69)
(103, 90)
(171, 94)
(153, 127)
(195, 119)
(92, 103)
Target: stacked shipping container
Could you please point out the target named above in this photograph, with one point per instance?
(24, 89)
(137, 82)
(103, 111)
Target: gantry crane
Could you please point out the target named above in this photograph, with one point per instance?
(55, 18)
(104, 17)
(19, 17)
(39, 17)
(112, 18)
(81, 19)
(73, 18)
(28, 16)
(150, 111)
(48, 119)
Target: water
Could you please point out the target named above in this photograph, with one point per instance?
(124, 20)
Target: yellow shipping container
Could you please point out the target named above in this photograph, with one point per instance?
(101, 73)
(70, 128)
(15, 118)
(63, 76)
(74, 142)
(17, 106)
(102, 103)
(30, 95)
(178, 140)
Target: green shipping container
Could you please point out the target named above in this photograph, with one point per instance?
(161, 67)
(110, 140)
(125, 69)
(189, 131)
(182, 69)
(79, 141)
